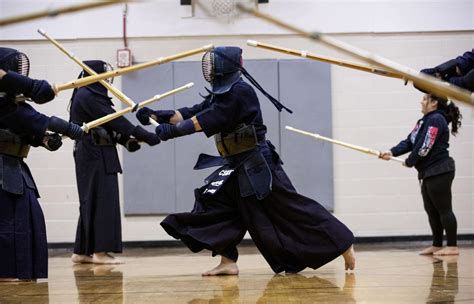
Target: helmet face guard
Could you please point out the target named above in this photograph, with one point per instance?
(108, 68)
(12, 60)
(207, 65)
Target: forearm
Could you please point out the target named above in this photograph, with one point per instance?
(403, 147)
(188, 112)
(197, 126)
(120, 125)
(177, 117)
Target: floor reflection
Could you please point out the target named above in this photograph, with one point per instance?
(383, 276)
(94, 282)
(24, 292)
(295, 288)
(444, 284)
(226, 290)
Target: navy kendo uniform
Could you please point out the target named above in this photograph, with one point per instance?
(458, 71)
(97, 165)
(428, 145)
(250, 191)
(24, 251)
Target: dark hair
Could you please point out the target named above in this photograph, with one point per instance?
(451, 110)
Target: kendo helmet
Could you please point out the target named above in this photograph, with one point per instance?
(99, 67)
(221, 67)
(13, 60)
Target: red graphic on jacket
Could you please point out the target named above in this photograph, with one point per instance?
(429, 141)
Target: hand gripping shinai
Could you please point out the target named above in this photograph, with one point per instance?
(95, 123)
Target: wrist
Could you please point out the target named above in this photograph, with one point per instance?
(176, 118)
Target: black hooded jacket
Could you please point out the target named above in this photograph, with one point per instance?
(428, 145)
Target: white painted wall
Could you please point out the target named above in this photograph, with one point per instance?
(372, 197)
(166, 18)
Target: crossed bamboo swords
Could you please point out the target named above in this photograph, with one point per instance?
(94, 77)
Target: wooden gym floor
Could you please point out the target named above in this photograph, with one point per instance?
(385, 273)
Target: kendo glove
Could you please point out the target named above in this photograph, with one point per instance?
(143, 115)
(166, 131)
(132, 145)
(148, 137)
(52, 141)
(40, 91)
(443, 71)
(431, 71)
(164, 116)
(161, 116)
(69, 129)
(466, 81)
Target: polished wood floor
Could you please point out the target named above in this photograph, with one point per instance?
(390, 273)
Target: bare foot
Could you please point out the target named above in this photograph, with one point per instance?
(226, 267)
(430, 250)
(104, 258)
(447, 251)
(349, 258)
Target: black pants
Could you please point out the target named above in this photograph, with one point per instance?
(436, 192)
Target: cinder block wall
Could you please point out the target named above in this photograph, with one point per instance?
(374, 198)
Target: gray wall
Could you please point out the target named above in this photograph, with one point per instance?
(160, 179)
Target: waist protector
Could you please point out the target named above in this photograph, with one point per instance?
(242, 139)
(101, 137)
(11, 144)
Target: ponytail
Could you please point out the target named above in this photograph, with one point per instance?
(451, 110)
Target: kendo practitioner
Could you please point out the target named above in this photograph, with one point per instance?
(458, 71)
(250, 191)
(23, 245)
(97, 164)
(428, 145)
